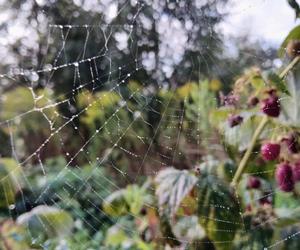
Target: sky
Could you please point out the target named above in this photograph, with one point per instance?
(265, 20)
(268, 20)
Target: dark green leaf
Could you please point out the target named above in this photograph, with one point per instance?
(295, 6)
(166, 230)
(218, 210)
(278, 83)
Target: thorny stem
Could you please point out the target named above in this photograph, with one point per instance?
(258, 131)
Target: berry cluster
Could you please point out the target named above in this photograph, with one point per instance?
(269, 106)
(286, 174)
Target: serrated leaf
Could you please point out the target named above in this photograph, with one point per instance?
(278, 83)
(173, 186)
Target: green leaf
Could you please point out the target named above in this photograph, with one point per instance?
(287, 216)
(257, 82)
(188, 228)
(286, 200)
(45, 222)
(115, 236)
(135, 198)
(202, 102)
(294, 34)
(287, 209)
(253, 238)
(129, 200)
(290, 105)
(219, 116)
(218, 210)
(115, 204)
(166, 230)
(10, 180)
(278, 83)
(173, 186)
(240, 136)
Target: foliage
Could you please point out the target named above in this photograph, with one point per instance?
(10, 174)
(185, 167)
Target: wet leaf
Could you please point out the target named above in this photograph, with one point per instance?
(173, 186)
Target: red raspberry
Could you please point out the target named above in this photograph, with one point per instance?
(284, 177)
(271, 106)
(270, 151)
(235, 120)
(253, 182)
(296, 172)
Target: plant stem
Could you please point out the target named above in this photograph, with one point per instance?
(258, 131)
(246, 156)
(289, 67)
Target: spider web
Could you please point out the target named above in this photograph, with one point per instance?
(113, 81)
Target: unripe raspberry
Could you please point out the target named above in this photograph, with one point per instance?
(253, 182)
(271, 106)
(271, 92)
(270, 151)
(143, 211)
(296, 171)
(293, 48)
(253, 101)
(292, 143)
(284, 177)
(248, 208)
(234, 120)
